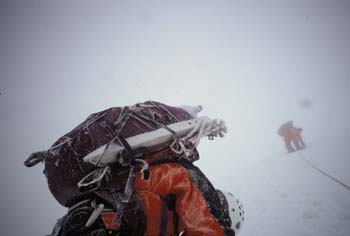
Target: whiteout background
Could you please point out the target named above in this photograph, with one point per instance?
(254, 64)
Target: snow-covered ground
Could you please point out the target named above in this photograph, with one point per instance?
(254, 64)
(284, 195)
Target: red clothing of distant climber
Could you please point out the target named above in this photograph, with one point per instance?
(291, 135)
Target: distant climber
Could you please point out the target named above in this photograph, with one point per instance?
(291, 134)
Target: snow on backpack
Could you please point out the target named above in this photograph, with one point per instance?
(77, 155)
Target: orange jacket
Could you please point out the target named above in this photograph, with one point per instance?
(191, 206)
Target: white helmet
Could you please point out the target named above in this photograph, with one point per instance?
(236, 211)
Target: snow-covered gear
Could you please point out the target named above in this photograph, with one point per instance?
(182, 138)
(192, 110)
(144, 190)
(64, 165)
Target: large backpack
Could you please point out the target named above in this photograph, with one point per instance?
(64, 165)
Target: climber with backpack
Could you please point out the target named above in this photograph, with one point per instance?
(291, 134)
(129, 171)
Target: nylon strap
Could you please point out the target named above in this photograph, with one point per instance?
(164, 218)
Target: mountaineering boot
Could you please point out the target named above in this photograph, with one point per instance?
(290, 149)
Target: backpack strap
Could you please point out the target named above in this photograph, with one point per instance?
(136, 166)
(35, 158)
(170, 114)
(164, 218)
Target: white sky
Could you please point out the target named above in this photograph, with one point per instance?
(250, 63)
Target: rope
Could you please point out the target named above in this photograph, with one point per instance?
(323, 172)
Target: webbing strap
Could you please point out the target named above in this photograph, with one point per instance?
(127, 194)
(164, 218)
(35, 158)
(136, 166)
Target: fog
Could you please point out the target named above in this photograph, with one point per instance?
(254, 64)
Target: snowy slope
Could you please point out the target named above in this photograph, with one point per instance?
(255, 64)
(283, 195)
